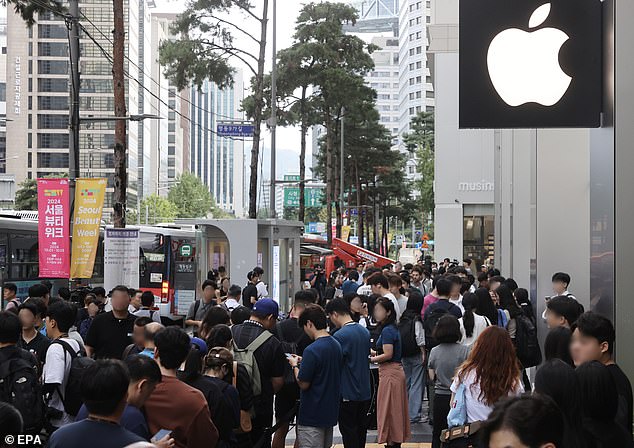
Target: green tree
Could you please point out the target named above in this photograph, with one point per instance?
(338, 62)
(420, 141)
(26, 195)
(155, 209)
(191, 196)
(28, 9)
(206, 43)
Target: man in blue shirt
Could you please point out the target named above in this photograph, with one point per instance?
(351, 284)
(355, 375)
(319, 379)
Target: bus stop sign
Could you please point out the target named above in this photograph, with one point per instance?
(186, 250)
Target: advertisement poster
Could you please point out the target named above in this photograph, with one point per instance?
(89, 195)
(121, 258)
(53, 237)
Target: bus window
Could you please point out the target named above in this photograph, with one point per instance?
(24, 257)
(152, 266)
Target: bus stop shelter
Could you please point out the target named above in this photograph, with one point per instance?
(242, 244)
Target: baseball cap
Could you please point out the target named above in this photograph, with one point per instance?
(200, 345)
(266, 307)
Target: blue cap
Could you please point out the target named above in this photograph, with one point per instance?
(266, 307)
(200, 345)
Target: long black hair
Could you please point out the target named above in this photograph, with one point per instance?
(414, 307)
(507, 301)
(470, 303)
(557, 345)
(558, 380)
(486, 307)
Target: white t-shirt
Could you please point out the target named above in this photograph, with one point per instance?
(364, 290)
(397, 308)
(262, 291)
(402, 305)
(476, 409)
(56, 371)
(458, 303)
(480, 323)
(155, 315)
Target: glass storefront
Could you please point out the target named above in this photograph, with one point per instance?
(479, 239)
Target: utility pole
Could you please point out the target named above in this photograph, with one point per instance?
(341, 153)
(120, 174)
(273, 110)
(72, 24)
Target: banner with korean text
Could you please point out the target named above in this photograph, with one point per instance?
(89, 196)
(53, 236)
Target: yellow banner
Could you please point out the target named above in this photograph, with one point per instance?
(89, 195)
(345, 232)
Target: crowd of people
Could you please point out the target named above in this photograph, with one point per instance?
(360, 350)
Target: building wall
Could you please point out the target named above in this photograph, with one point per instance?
(38, 117)
(218, 161)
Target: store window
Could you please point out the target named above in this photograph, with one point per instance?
(479, 239)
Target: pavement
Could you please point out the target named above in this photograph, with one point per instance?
(421, 436)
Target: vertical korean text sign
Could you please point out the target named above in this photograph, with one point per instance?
(121, 258)
(89, 196)
(53, 225)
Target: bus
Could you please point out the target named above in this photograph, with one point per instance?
(167, 262)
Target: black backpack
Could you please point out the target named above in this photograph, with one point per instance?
(407, 330)
(438, 310)
(20, 387)
(526, 342)
(78, 365)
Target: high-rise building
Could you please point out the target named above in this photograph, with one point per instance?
(218, 161)
(3, 96)
(416, 93)
(38, 79)
(385, 80)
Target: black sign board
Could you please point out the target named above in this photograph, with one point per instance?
(530, 63)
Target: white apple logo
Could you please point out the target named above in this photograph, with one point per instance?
(524, 66)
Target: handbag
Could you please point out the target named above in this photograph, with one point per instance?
(459, 433)
(245, 416)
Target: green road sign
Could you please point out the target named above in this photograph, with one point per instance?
(313, 197)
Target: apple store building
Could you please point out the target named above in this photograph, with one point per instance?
(533, 155)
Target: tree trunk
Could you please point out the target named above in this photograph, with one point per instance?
(360, 212)
(338, 182)
(329, 196)
(120, 173)
(257, 116)
(302, 153)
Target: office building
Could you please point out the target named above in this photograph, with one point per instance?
(38, 81)
(3, 96)
(218, 161)
(416, 93)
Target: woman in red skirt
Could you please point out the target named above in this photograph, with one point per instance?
(392, 415)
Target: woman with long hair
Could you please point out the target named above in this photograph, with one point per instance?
(557, 380)
(472, 324)
(510, 308)
(485, 306)
(557, 345)
(413, 353)
(599, 403)
(375, 331)
(491, 372)
(392, 413)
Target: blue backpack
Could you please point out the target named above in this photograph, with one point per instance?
(503, 319)
(458, 411)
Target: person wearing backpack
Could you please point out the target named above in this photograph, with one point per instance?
(147, 307)
(19, 375)
(60, 316)
(261, 353)
(294, 341)
(431, 316)
(413, 352)
(10, 291)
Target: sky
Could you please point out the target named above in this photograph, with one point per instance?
(287, 139)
